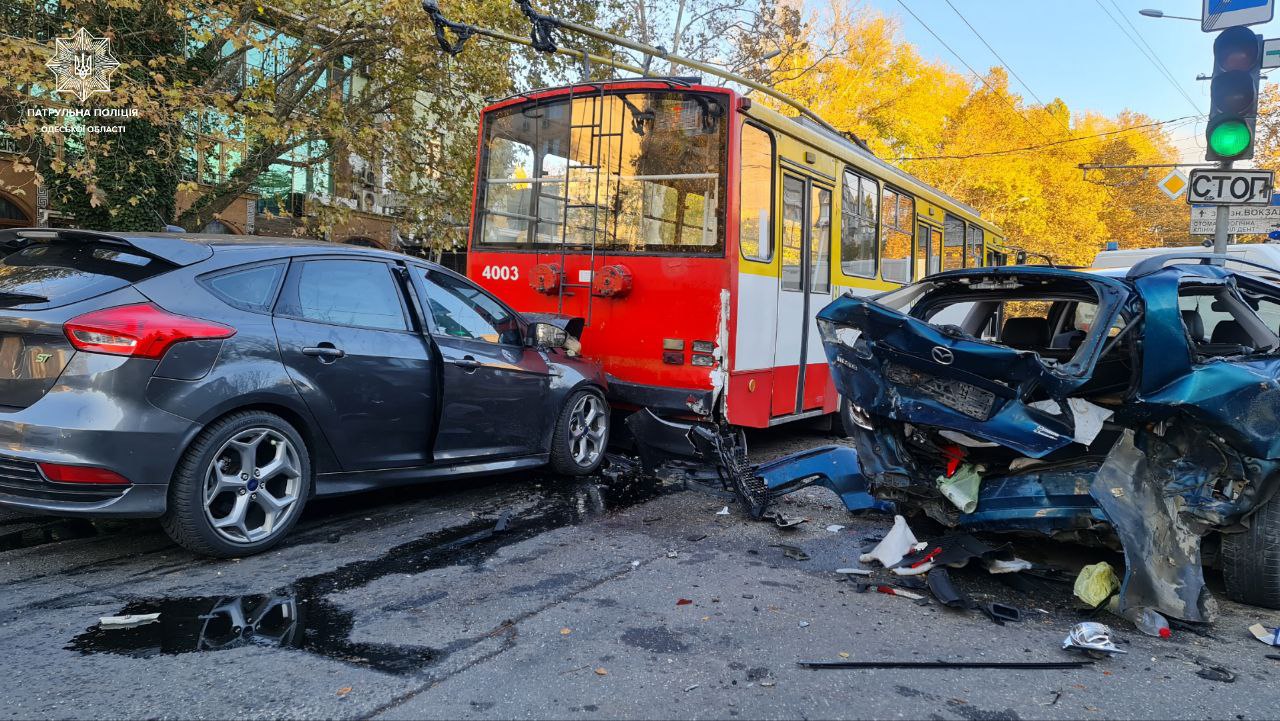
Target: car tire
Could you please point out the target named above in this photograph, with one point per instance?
(219, 506)
(581, 434)
(1251, 559)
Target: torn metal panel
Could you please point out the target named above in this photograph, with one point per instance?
(1162, 554)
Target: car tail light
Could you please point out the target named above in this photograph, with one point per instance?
(80, 474)
(140, 331)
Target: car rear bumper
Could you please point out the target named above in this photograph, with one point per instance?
(84, 424)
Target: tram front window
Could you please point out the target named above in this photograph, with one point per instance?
(628, 172)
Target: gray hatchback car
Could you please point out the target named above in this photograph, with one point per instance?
(218, 382)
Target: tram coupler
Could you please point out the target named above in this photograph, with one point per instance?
(717, 454)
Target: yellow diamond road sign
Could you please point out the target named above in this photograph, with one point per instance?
(1174, 184)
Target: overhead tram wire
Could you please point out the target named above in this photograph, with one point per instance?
(975, 73)
(1043, 106)
(1153, 60)
(1032, 148)
(1138, 34)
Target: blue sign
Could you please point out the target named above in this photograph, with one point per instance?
(1223, 14)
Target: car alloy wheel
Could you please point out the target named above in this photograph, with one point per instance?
(252, 485)
(588, 430)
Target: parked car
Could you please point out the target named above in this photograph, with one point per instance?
(1264, 254)
(218, 382)
(1140, 405)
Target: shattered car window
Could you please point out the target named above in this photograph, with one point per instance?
(1221, 322)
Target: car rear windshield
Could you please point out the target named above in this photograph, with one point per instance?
(57, 273)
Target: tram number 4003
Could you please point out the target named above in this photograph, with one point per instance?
(500, 272)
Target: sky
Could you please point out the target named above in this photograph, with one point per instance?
(1076, 50)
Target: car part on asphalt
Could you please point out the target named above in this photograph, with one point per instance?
(1009, 665)
(898, 542)
(942, 589)
(1092, 637)
(1269, 636)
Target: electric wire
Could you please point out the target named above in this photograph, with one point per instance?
(975, 73)
(1031, 148)
(1043, 106)
(1154, 61)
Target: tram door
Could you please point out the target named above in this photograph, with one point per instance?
(804, 289)
(928, 257)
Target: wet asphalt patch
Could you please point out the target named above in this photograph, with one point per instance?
(299, 616)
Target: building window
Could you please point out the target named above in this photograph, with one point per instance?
(11, 216)
(755, 206)
(859, 220)
(899, 214)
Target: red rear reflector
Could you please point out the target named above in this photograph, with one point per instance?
(140, 331)
(80, 474)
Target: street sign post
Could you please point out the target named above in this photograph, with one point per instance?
(1225, 186)
(1223, 14)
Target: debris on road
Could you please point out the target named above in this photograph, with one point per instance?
(1092, 638)
(854, 571)
(723, 511)
(683, 602)
(898, 542)
(793, 552)
(1012, 665)
(835, 528)
(344, 691)
(602, 672)
(1216, 673)
(130, 621)
(1095, 584)
(782, 520)
(1269, 636)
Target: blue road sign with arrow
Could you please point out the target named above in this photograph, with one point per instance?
(1223, 14)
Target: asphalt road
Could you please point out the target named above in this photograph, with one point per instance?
(409, 604)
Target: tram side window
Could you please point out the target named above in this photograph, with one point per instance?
(899, 213)
(973, 248)
(755, 220)
(859, 201)
(952, 242)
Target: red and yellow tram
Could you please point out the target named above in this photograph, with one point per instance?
(699, 233)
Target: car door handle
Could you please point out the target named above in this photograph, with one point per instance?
(467, 364)
(325, 352)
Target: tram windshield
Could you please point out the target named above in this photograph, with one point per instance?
(635, 172)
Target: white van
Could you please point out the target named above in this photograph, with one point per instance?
(1267, 254)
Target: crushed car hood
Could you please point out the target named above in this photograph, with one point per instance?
(903, 368)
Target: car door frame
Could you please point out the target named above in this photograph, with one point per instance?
(426, 321)
(405, 292)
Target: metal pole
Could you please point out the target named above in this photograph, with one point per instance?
(1221, 236)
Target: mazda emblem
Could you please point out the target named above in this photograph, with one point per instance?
(943, 355)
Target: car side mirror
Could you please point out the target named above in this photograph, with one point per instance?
(545, 335)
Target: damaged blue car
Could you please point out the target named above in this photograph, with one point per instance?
(1138, 406)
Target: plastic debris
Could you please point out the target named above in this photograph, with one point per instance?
(896, 543)
(683, 602)
(1147, 620)
(835, 528)
(1269, 636)
(130, 621)
(1088, 417)
(804, 624)
(1096, 583)
(672, 554)
(602, 672)
(723, 511)
(854, 571)
(1216, 673)
(999, 565)
(962, 487)
(940, 585)
(782, 520)
(954, 550)
(344, 691)
(691, 687)
(1092, 637)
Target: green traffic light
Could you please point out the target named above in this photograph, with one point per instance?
(1230, 138)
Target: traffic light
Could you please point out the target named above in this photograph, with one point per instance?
(1233, 95)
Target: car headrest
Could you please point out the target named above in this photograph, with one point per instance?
(1025, 333)
(1230, 331)
(1194, 323)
